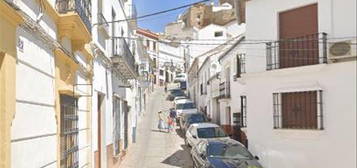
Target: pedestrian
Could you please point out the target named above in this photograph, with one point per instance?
(170, 124)
(173, 114)
(165, 87)
(160, 125)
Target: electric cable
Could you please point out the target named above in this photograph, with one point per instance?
(153, 14)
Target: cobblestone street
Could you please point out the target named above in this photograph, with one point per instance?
(155, 149)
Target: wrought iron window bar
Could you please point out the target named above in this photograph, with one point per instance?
(278, 116)
(243, 116)
(300, 51)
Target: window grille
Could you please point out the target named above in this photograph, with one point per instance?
(243, 110)
(298, 110)
(69, 132)
(240, 64)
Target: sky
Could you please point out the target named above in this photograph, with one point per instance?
(157, 23)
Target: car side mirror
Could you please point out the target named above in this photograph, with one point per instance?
(194, 136)
(256, 157)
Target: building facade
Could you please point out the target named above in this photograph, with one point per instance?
(306, 93)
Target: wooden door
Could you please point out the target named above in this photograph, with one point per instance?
(99, 129)
(298, 33)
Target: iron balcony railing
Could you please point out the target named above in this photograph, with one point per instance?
(224, 90)
(124, 56)
(81, 7)
(299, 51)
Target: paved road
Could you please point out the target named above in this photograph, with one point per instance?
(155, 149)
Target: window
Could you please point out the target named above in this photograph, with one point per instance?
(243, 111)
(201, 88)
(211, 132)
(299, 42)
(161, 72)
(198, 16)
(148, 44)
(69, 131)
(154, 46)
(298, 110)
(240, 65)
(218, 34)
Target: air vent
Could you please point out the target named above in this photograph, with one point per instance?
(342, 50)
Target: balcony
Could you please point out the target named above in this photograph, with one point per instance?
(123, 59)
(75, 20)
(224, 90)
(103, 24)
(295, 52)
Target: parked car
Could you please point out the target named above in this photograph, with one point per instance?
(191, 118)
(185, 108)
(203, 131)
(183, 85)
(180, 78)
(226, 153)
(175, 93)
(180, 98)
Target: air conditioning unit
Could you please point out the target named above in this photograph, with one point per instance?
(342, 50)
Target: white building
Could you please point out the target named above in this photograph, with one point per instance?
(115, 89)
(301, 104)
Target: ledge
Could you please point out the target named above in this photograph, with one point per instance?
(71, 25)
(9, 13)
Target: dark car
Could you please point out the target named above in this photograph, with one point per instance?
(192, 118)
(183, 85)
(226, 153)
(175, 93)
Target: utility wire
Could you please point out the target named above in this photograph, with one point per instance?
(153, 14)
(228, 42)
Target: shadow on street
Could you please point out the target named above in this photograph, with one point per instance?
(181, 158)
(180, 133)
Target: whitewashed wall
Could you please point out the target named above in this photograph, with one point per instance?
(34, 127)
(287, 148)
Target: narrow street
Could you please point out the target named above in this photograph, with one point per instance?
(155, 149)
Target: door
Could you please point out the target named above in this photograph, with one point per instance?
(298, 33)
(126, 124)
(98, 154)
(218, 112)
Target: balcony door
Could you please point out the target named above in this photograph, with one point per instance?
(298, 33)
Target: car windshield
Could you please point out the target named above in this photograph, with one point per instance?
(234, 151)
(177, 93)
(196, 118)
(185, 106)
(212, 132)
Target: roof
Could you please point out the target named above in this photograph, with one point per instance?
(147, 33)
(205, 125)
(232, 47)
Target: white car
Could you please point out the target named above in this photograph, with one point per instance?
(185, 107)
(203, 131)
(181, 100)
(180, 78)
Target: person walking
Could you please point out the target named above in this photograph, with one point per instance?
(165, 87)
(161, 124)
